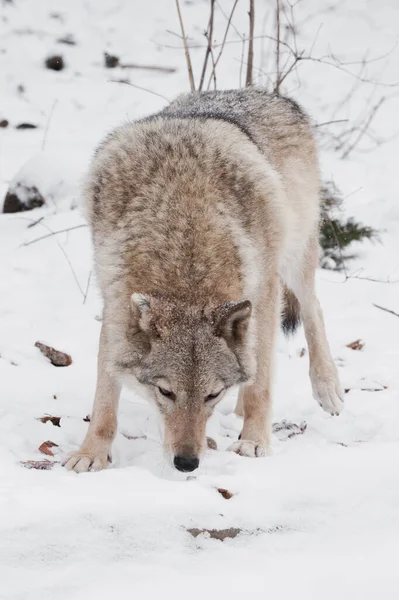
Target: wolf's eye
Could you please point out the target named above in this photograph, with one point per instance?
(213, 396)
(167, 393)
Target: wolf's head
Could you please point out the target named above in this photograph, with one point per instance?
(187, 358)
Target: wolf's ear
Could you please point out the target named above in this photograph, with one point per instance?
(140, 305)
(231, 321)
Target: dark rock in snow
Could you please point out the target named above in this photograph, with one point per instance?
(55, 63)
(4, 123)
(20, 198)
(111, 61)
(26, 126)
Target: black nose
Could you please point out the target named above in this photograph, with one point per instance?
(186, 463)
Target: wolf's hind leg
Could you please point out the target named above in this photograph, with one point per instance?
(323, 372)
(95, 451)
(255, 400)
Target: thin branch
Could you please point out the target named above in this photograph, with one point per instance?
(388, 310)
(48, 123)
(332, 122)
(242, 60)
(222, 45)
(139, 87)
(87, 288)
(278, 31)
(147, 67)
(208, 52)
(364, 128)
(33, 223)
(43, 237)
(186, 50)
(249, 77)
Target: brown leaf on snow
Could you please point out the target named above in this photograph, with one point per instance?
(54, 420)
(210, 442)
(41, 465)
(45, 448)
(289, 429)
(225, 493)
(216, 534)
(57, 358)
(356, 345)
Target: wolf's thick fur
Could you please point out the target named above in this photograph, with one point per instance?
(200, 215)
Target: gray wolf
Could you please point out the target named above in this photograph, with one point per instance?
(204, 221)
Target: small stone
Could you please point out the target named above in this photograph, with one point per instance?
(4, 123)
(111, 61)
(55, 63)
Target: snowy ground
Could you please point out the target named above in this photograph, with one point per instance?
(320, 518)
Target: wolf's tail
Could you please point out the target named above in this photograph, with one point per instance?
(291, 312)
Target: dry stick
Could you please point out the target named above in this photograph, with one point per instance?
(186, 50)
(147, 67)
(208, 51)
(242, 60)
(43, 237)
(388, 310)
(87, 288)
(139, 87)
(61, 248)
(222, 45)
(363, 129)
(278, 30)
(48, 123)
(249, 78)
(332, 122)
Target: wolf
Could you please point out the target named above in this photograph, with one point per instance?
(205, 222)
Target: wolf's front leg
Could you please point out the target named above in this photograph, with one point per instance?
(255, 401)
(95, 451)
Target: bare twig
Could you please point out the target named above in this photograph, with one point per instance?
(222, 45)
(364, 128)
(242, 60)
(278, 32)
(186, 50)
(332, 122)
(388, 310)
(139, 87)
(148, 67)
(33, 223)
(249, 77)
(208, 52)
(43, 237)
(87, 288)
(48, 123)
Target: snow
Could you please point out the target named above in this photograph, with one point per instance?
(320, 517)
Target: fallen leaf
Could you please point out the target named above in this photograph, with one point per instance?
(356, 345)
(54, 420)
(225, 493)
(289, 428)
(210, 442)
(41, 465)
(216, 534)
(57, 358)
(45, 448)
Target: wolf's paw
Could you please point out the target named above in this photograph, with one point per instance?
(83, 461)
(249, 448)
(328, 393)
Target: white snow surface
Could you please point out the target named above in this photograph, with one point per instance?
(320, 517)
